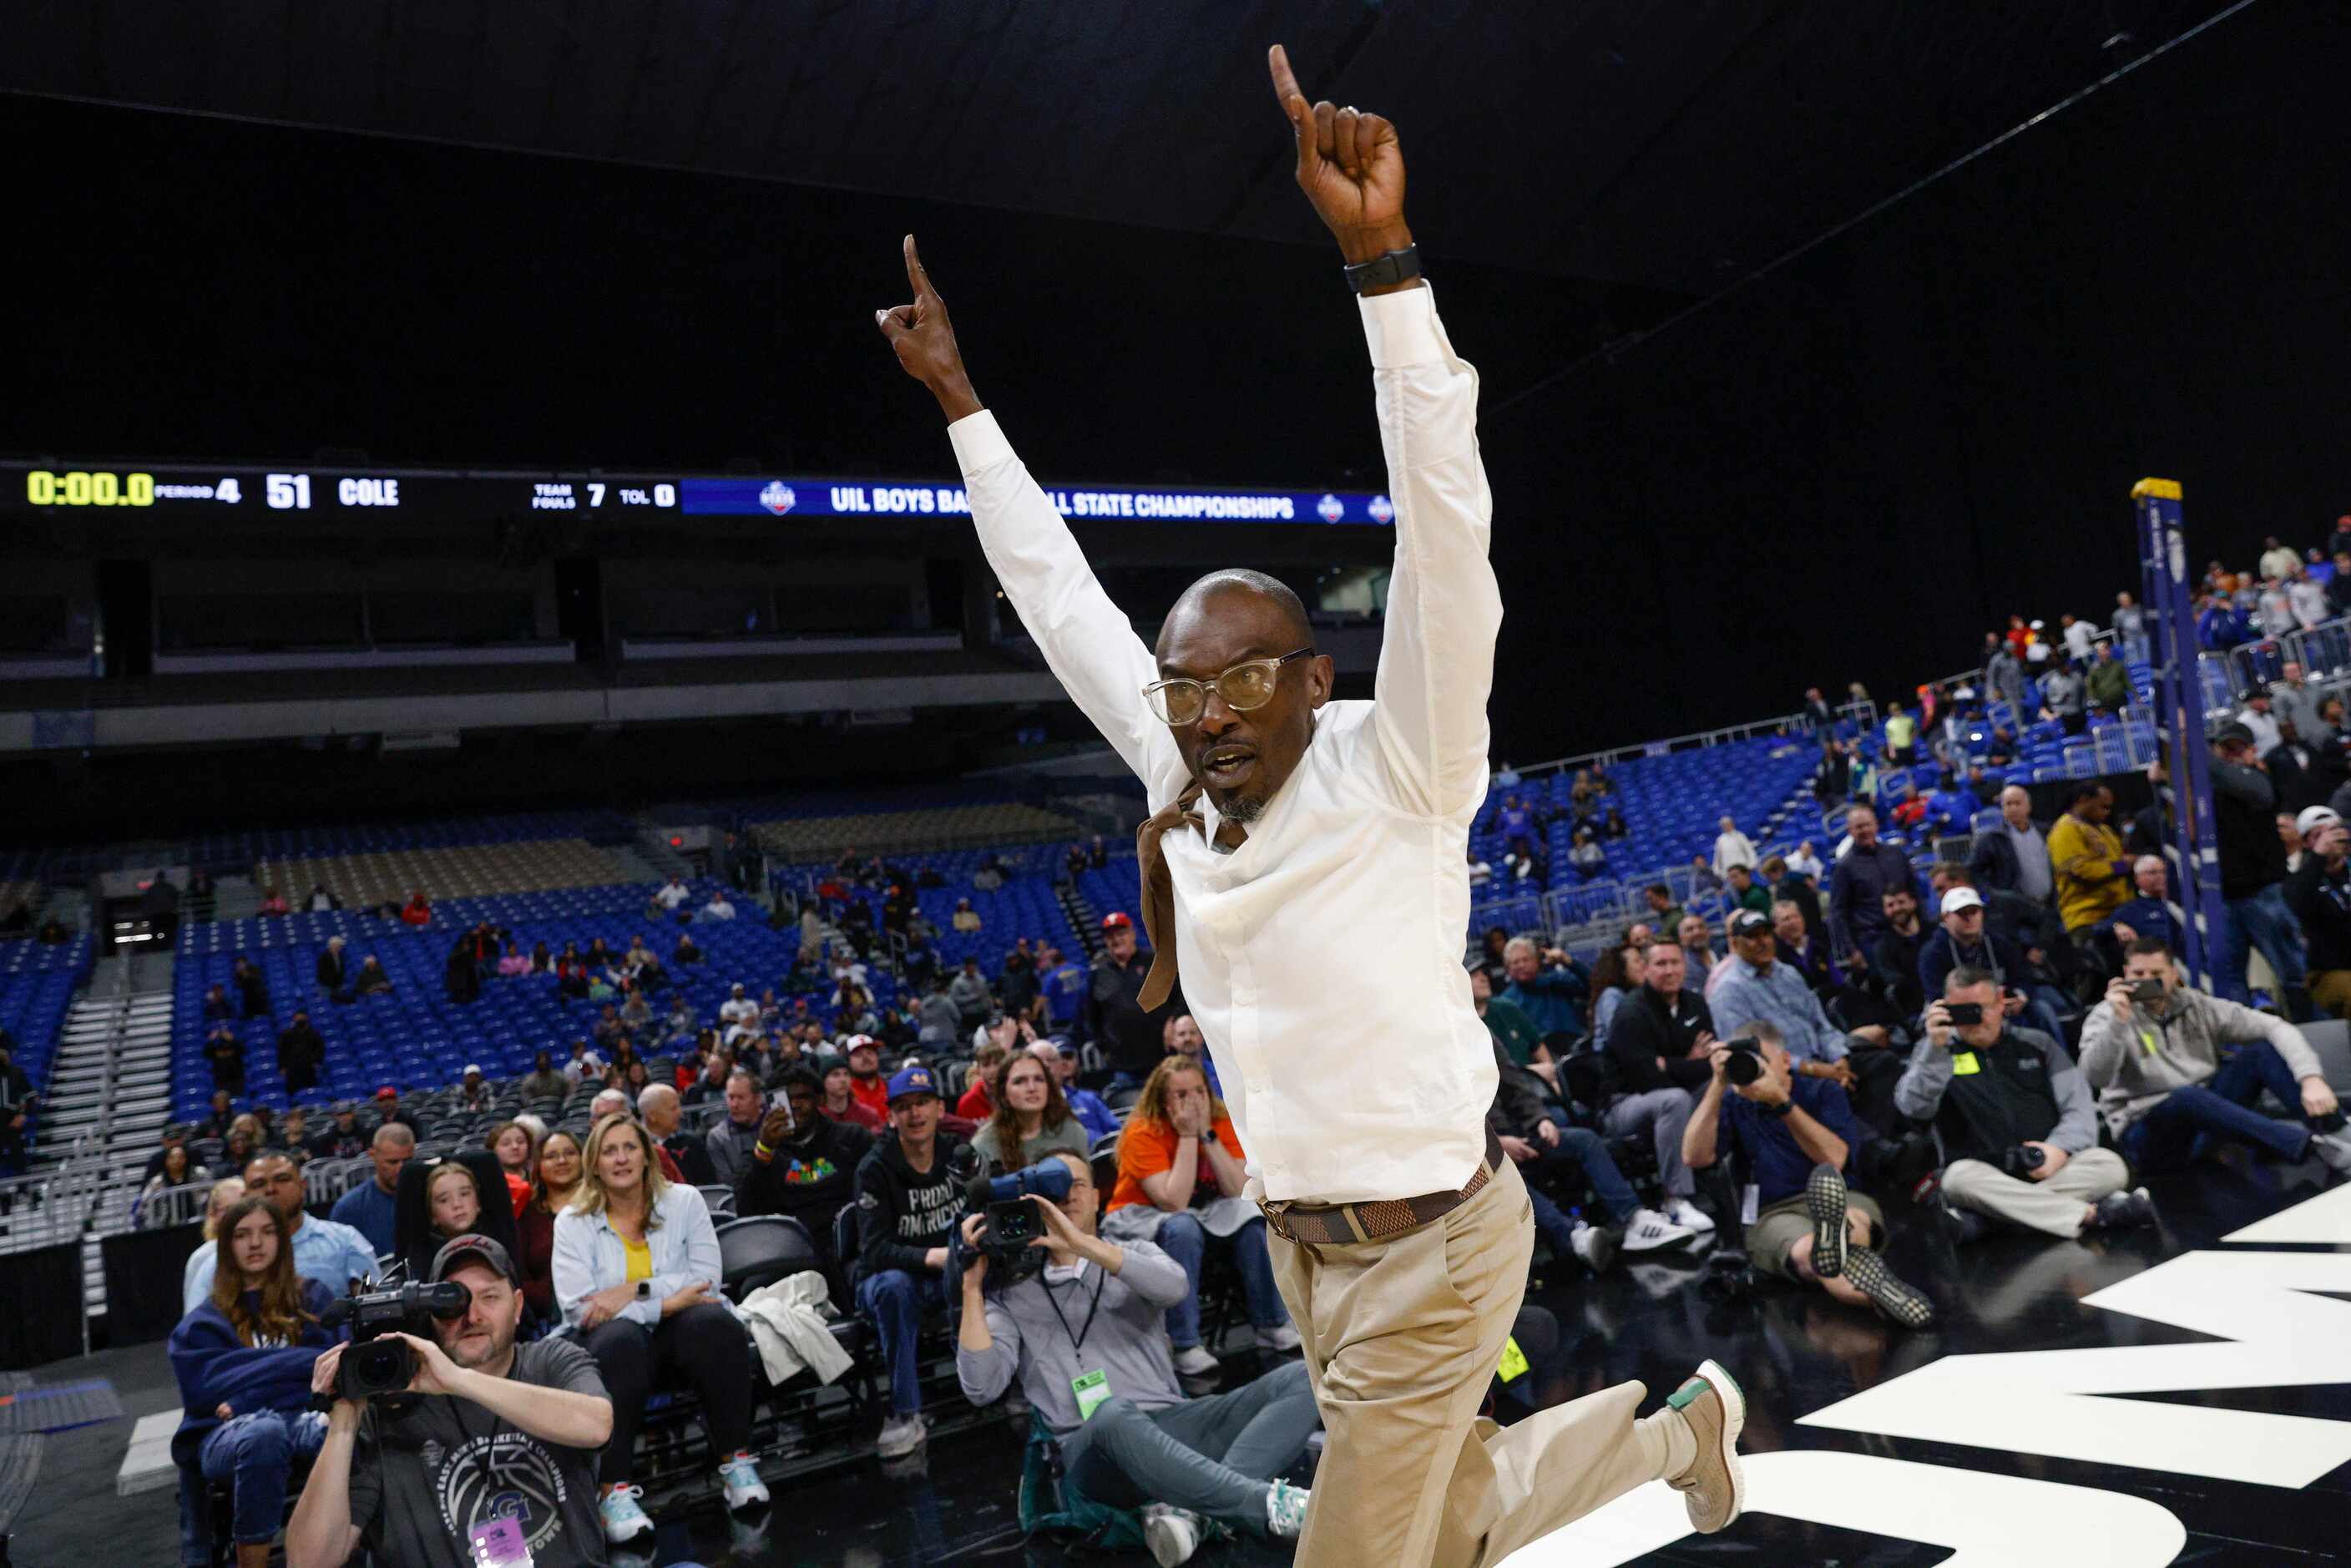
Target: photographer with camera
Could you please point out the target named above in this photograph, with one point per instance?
(2014, 1118)
(481, 1441)
(636, 1269)
(1796, 1135)
(334, 1255)
(244, 1358)
(2152, 1049)
(1757, 986)
(1082, 1338)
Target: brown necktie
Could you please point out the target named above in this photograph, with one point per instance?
(1159, 886)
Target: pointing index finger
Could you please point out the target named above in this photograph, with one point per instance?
(920, 279)
(1285, 82)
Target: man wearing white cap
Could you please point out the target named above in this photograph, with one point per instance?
(1964, 940)
(2318, 890)
(738, 1007)
(473, 1093)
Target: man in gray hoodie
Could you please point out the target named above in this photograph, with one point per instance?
(2163, 1087)
(1084, 1337)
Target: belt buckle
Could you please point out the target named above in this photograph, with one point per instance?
(1275, 1219)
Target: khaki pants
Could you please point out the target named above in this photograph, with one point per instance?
(1401, 1339)
(2054, 1206)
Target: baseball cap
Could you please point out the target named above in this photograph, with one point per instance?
(387, 1089)
(1960, 898)
(912, 1080)
(2314, 818)
(473, 1244)
(1116, 920)
(1748, 921)
(859, 1042)
(2232, 731)
(473, 1069)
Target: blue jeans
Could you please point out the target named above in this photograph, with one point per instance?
(1587, 1151)
(893, 1301)
(255, 1454)
(2221, 1106)
(1182, 1239)
(2041, 1005)
(2264, 921)
(1213, 1456)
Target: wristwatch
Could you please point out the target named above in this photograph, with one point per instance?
(1209, 1136)
(1782, 1109)
(1395, 267)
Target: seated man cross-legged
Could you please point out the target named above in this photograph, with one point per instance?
(1179, 1145)
(2015, 1119)
(1083, 1340)
(1796, 1135)
(2152, 1049)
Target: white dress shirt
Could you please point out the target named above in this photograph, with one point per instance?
(1323, 958)
(1730, 849)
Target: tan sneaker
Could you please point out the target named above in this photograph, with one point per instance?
(1712, 1489)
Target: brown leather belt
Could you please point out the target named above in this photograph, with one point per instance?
(1344, 1224)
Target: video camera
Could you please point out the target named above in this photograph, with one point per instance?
(1013, 1221)
(376, 1363)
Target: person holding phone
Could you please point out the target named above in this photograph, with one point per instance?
(2015, 1121)
(2153, 1050)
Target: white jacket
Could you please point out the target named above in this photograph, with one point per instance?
(790, 1330)
(588, 1256)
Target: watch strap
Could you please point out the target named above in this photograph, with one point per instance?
(1380, 271)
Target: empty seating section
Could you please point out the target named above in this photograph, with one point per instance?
(416, 1037)
(469, 871)
(966, 825)
(1671, 805)
(38, 981)
(236, 851)
(1025, 905)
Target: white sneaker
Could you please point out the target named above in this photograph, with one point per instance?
(1595, 1246)
(623, 1520)
(1194, 1361)
(1681, 1211)
(1171, 1534)
(1648, 1231)
(2334, 1148)
(1280, 1340)
(1285, 1511)
(740, 1477)
(900, 1436)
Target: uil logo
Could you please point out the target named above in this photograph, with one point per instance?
(1382, 509)
(777, 497)
(1329, 508)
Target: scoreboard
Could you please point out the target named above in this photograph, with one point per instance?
(457, 495)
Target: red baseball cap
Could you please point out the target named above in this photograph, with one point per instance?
(387, 1089)
(1116, 920)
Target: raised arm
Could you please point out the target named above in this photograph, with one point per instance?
(1088, 642)
(1443, 608)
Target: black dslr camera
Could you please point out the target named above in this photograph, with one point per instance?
(376, 1363)
(2022, 1160)
(1746, 1063)
(1013, 1221)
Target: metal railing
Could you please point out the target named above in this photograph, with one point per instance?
(1863, 713)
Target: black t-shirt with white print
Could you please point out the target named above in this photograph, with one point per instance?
(422, 1479)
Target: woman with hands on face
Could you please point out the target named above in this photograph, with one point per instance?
(636, 1269)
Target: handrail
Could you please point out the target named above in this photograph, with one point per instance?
(1798, 723)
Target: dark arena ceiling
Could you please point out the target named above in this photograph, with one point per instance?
(1671, 143)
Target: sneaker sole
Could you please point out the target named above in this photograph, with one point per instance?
(1899, 1299)
(1734, 1420)
(1164, 1541)
(1604, 1252)
(1824, 1200)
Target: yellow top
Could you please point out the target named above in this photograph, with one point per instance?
(641, 1259)
(2084, 855)
(2161, 489)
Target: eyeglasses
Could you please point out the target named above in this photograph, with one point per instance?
(1247, 685)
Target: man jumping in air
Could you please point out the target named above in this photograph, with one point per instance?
(1307, 863)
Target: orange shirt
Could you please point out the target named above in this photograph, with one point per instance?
(1147, 1148)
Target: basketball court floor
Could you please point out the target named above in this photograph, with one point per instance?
(2181, 1395)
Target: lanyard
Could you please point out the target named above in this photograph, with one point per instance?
(1078, 1340)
